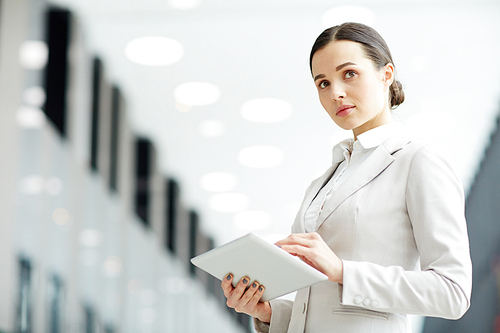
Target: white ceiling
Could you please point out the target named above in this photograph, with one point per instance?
(446, 53)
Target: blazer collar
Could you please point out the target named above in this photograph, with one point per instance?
(381, 158)
(375, 164)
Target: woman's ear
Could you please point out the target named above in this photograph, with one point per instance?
(388, 74)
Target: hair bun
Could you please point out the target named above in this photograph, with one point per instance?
(397, 94)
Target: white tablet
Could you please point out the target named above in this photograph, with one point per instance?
(277, 270)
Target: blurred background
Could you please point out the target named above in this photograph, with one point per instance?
(136, 134)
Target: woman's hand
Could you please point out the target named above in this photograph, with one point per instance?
(313, 250)
(246, 298)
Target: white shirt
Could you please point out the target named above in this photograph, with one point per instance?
(351, 154)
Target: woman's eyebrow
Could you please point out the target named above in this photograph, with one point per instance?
(339, 67)
(320, 76)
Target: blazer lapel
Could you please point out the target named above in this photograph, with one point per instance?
(311, 194)
(375, 164)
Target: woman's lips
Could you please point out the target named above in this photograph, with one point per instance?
(344, 110)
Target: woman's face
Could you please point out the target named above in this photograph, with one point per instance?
(353, 92)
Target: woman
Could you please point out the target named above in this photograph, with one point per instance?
(385, 222)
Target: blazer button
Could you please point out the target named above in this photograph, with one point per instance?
(366, 302)
(358, 299)
(304, 308)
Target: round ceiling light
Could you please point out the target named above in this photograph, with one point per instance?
(60, 216)
(33, 54)
(218, 182)
(197, 93)
(342, 14)
(229, 202)
(30, 117)
(250, 220)
(260, 156)
(266, 110)
(91, 237)
(154, 51)
(31, 185)
(211, 128)
(113, 265)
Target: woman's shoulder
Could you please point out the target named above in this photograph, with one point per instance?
(422, 151)
(418, 154)
(427, 159)
(402, 143)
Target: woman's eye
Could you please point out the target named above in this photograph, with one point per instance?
(350, 74)
(323, 84)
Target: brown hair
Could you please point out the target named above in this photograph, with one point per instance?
(374, 47)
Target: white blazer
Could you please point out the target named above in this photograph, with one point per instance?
(398, 224)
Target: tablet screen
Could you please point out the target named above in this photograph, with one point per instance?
(277, 270)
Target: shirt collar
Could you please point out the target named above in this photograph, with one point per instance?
(369, 139)
(376, 136)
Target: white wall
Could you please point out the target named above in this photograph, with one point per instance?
(62, 217)
(13, 17)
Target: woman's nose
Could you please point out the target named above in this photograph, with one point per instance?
(337, 93)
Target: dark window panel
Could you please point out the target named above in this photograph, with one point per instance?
(56, 295)
(56, 75)
(108, 328)
(144, 149)
(193, 232)
(24, 303)
(115, 125)
(90, 319)
(172, 213)
(96, 100)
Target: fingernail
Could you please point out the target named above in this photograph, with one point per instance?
(245, 281)
(260, 288)
(254, 285)
(228, 277)
(278, 246)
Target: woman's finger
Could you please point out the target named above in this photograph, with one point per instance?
(234, 299)
(259, 291)
(300, 250)
(242, 286)
(245, 303)
(313, 250)
(226, 285)
(306, 240)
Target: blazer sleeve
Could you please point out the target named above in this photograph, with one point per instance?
(442, 287)
(280, 317)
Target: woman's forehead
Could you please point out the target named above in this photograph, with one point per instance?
(339, 52)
